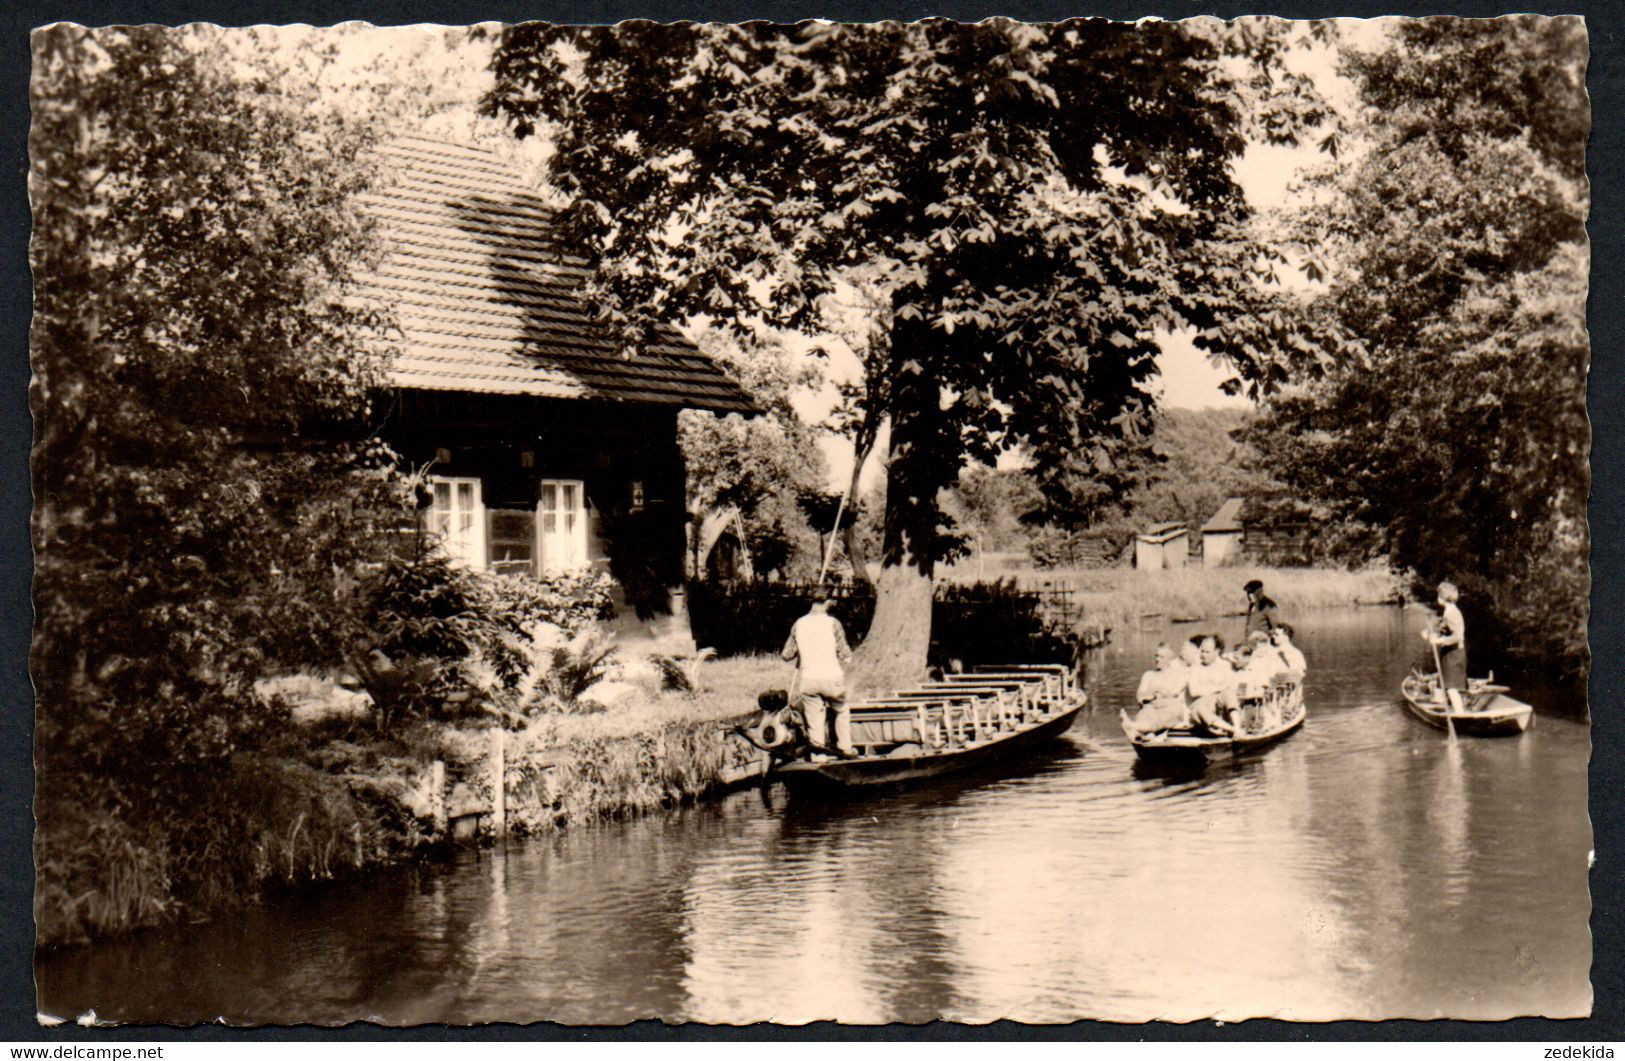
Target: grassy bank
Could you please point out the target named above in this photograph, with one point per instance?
(1120, 596)
(658, 748)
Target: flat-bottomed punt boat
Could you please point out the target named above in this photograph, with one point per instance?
(1282, 713)
(1486, 709)
(959, 722)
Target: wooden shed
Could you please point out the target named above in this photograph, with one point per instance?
(1162, 546)
(550, 449)
(1221, 535)
(1278, 530)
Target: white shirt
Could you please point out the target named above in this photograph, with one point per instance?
(819, 644)
(1206, 679)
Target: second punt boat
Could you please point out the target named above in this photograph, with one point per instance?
(1486, 709)
(1283, 711)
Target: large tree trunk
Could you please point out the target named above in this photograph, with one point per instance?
(924, 449)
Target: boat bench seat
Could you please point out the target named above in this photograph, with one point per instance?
(1009, 702)
(1028, 693)
(1058, 677)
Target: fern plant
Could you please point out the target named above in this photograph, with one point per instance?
(577, 666)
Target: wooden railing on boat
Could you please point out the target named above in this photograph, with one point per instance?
(961, 709)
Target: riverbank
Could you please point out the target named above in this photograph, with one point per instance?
(333, 798)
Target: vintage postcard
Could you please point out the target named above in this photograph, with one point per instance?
(874, 523)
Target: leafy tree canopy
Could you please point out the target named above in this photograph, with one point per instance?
(1031, 202)
(1454, 422)
(194, 251)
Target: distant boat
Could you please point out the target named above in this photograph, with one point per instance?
(1283, 704)
(936, 728)
(1486, 709)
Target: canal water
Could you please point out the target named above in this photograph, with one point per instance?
(1366, 868)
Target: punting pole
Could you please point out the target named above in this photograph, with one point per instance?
(834, 532)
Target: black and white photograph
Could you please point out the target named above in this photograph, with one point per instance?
(873, 522)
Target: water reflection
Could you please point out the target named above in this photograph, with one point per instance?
(1366, 867)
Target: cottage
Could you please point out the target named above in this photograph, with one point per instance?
(1278, 530)
(1161, 546)
(1221, 535)
(547, 448)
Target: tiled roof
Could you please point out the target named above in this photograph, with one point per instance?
(1228, 518)
(488, 301)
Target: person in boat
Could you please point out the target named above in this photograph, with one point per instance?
(1260, 609)
(1281, 637)
(1261, 657)
(1161, 695)
(1260, 665)
(1448, 636)
(818, 647)
(1212, 688)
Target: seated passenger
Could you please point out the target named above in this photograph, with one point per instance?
(1212, 688)
(1161, 695)
(1296, 665)
(1253, 683)
(1266, 658)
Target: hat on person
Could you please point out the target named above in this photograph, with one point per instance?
(1252, 587)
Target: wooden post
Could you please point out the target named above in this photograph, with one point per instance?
(437, 795)
(499, 782)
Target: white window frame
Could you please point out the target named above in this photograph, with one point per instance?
(465, 542)
(570, 528)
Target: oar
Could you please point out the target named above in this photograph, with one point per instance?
(1449, 720)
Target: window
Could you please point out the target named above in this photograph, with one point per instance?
(457, 518)
(512, 540)
(563, 531)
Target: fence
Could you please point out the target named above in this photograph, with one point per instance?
(984, 622)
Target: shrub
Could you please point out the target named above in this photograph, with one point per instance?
(569, 602)
(428, 635)
(984, 622)
(996, 622)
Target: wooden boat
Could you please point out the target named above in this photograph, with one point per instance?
(959, 722)
(1282, 708)
(1486, 709)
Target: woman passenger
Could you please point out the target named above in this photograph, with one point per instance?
(1449, 639)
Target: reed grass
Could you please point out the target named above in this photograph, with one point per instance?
(107, 864)
(1119, 597)
(658, 748)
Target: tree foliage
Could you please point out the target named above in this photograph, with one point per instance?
(1032, 202)
(194, 252)
(1454, 420)
(761, 466)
